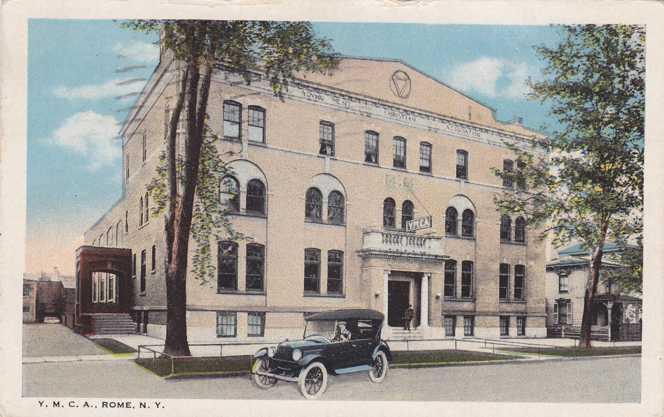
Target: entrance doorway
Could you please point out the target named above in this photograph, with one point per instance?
(397, 302)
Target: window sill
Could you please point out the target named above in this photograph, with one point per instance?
(309, 221)
(371, 164)
(460, 299)
(510, 301)
(226, 337)
(232, 139)
(460, 237)
(260, 144)
(427, 173)
(512, 242)
(254, 214)
(142, 294)
(317, 295)
(238, 292)
(400, 169)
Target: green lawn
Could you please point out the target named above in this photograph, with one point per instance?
(113, 345)
(577, 351)
(238, 365)
(443, 357)
(227, 365)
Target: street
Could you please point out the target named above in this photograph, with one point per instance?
(587, 380)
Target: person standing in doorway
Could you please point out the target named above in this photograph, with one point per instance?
(408, 317)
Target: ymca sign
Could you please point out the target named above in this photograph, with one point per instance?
(419, 223)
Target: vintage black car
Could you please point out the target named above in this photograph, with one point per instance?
(334, 342)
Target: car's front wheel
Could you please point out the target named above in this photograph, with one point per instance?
(313, 380)
(262, 381)
(379, 367)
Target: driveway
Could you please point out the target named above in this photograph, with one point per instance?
(56, 340)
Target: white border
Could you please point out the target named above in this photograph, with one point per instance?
(13, 41)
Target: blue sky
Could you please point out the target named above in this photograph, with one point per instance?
(74, 161)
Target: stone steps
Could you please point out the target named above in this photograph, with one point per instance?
(113, 323)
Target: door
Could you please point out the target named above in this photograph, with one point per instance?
(397, 302)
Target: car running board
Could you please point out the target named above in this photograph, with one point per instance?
(352, 369)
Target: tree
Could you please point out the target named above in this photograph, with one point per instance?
(585, 182)
(185, 188)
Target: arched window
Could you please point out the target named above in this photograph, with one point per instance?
(520, 230)
(468, 223)
(314, 205)
(505, 228)
(407, 210)
(335, 208)
(256, 196)
(388, 213)
(140, 212)
(230, 193)
(451, 221)
(227, 266)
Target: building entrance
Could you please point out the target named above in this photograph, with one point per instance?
(397, 301)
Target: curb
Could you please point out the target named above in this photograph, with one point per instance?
(548, 358)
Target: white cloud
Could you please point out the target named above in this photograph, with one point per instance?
(109, 89)
(491, 77)
(92, 136)
(143, 52)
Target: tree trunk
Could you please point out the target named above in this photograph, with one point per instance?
(591, 290)
(176, 278)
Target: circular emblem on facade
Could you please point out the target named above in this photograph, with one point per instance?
(400, 84)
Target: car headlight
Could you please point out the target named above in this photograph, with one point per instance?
(297, 354)
(271, 351)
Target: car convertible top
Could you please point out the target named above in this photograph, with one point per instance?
(347, 314)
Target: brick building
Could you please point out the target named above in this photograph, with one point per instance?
(324, 182)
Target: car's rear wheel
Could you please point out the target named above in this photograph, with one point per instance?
(262, 381)
(313, 381)
(379, 367)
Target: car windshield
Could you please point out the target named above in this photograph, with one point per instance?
(339, 330)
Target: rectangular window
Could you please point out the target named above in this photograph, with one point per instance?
(143, 270)
(232, 119)
(335, 272)
(255, 267)
(449, 290)
(371, 147)
(462, 165)
(256, 324)
(468, 325)
(520, 179)
(508, 169)
(133, 266)
(399, 157)
(26, 309)
(226, 324)
(111, 288)
(95, 288)
(563, 283)
(144, 146)
(425, 157)
(27, 291)
(562, 310)
(449, 322)
(504, 282)
(466, 279)
(256, 124)
(521, 326)
(519, 281)
(326, 132)
(153, 258)
(102, 287)
(227, 266)
(127, 168)
(504, 325)
(312, 270)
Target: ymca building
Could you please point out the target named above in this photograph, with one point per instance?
(323, 185)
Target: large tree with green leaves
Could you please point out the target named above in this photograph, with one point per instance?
(185, 186)
(585, 181)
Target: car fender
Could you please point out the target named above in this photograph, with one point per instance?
(313, 357)
(385, 348)
(261, 352)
